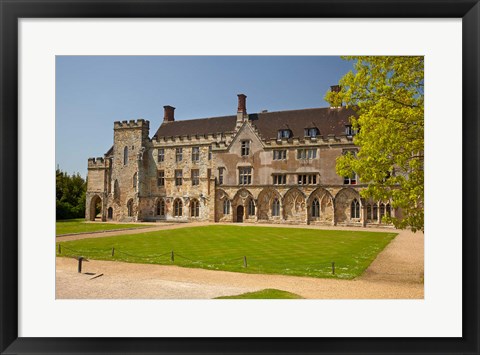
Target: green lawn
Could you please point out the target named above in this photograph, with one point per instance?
(269, 250)
(80, 226)
(268, 293)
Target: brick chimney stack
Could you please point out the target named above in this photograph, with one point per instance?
(242, 104)
(168, 115)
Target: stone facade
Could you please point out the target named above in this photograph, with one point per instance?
(266, 167)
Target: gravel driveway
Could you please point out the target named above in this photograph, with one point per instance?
(397, 272)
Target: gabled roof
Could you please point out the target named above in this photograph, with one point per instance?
(328, 121)
(197, 126)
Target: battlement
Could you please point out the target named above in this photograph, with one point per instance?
(96, 163)
(140, 123)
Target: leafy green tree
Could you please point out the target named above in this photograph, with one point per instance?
(388, 95)
(70, 195)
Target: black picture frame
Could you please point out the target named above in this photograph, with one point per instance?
(11, 11)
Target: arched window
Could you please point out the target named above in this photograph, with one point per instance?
(110, 213)
(355, 209)
(178, 207)
(134, 182)
(125, 156)
(388, 210)
(382, 211)
(226, 206)
(375, 212)
(276, 207)
(369, 211)
(116, 190)
(161, 208)
(315, 208)
(194, 208)
(130, 208)
(251, 207)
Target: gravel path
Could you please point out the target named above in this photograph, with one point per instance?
(397, 272)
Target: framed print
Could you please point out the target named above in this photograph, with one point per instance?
(50, 49)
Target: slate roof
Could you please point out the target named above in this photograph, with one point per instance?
(328, 121)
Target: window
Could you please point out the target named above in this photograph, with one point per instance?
(276, 207)
(315, 208)
(161, 155)
(177, 208)
(125, 156)
(245, 148)
(251, 207)
(279, 179)
(245, 176)
(307, 179)
(226, 207)
(116, 190)
(350, 180)
(280, 154)
(284, 133)
(220, 176)
(178, 154)
(194, 208)
(161, 178)
(178, 177)
(161, 208)
(130, 208)
(311, 132)
(210, 153)
(382, 211)
(195, 153)
(349, 131)
(195, 177)
(355, 209)
(306, 153)
(388, 210)
(134, 182)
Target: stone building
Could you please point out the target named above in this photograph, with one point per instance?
(274, 167)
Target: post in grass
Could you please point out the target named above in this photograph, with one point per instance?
(244, 261)
(113, 251)
(333, 267)
(59, 248)
(172, 257)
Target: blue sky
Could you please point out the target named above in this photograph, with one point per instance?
(94, 91)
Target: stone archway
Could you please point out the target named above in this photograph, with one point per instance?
(95, 207)
(343, 206)
(294, 206)
(325, 206)
(264, 203)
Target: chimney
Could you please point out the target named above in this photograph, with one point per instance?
(242, 104)
(168, 115)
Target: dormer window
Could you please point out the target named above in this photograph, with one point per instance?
(311, 132)
(349, 131)
(284, 133)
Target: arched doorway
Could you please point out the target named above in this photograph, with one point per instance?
(240, 214)
(95, 207)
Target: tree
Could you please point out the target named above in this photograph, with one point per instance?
(70, 195)
(387, 93)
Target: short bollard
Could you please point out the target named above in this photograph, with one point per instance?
(80, 259)
(244, 261)
(113, 251)
(59, 249)
(333, 268)
(172, 257)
